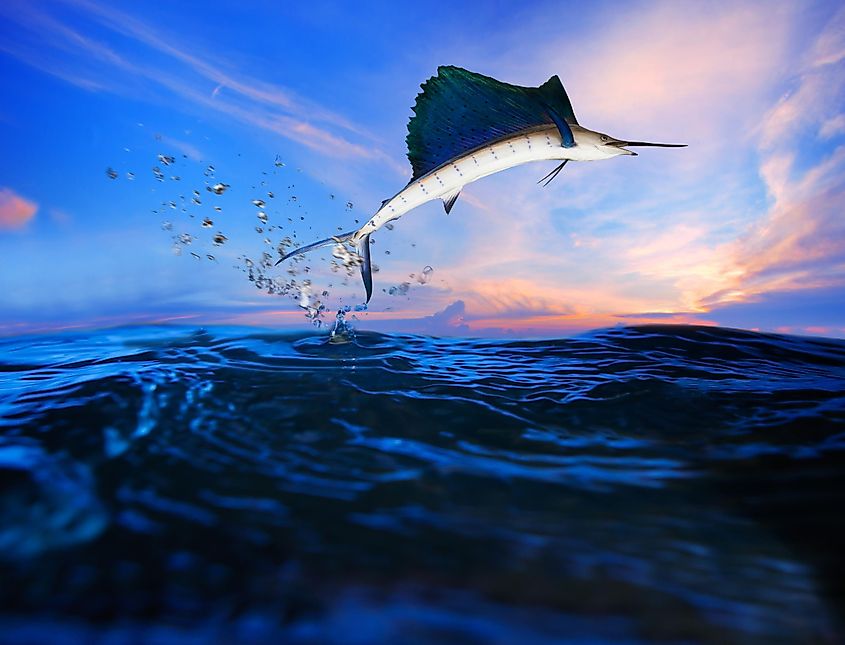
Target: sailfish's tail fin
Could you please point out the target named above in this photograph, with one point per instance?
(335, 239)
(362, 249)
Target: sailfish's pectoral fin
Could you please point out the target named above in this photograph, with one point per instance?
(449, 200)
(566, 138)
(558, 108)
(553, 173)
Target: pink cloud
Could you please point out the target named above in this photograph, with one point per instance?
(15, 211)
(687, 66)
(800, 243)
(711, 72)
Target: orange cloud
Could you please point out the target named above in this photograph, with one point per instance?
(15, 211)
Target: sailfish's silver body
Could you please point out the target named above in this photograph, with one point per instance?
(542, 143)
(468, 126)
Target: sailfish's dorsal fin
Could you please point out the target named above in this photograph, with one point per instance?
(459, 110)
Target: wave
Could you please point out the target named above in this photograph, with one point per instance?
(679, 483)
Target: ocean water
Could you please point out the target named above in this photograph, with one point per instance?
(647, 484)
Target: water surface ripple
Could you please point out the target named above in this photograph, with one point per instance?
(659, 483)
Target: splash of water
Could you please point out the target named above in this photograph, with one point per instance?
(342, 331)
(344, 261)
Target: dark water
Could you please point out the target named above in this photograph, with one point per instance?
(670, 484)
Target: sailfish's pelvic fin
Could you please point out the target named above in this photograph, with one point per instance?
(459, 111)
(553, 173)
(450, 199)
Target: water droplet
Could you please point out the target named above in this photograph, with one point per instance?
(158, 174)
(209, 171)
(166, 226)
(211, 257)
(219, 239)
(259, 229)
(219, 189)
(185, 238)
(166, 160)
(218, 209)
(259, 203)
(130, 176)
(349, 206)
(386, 252)
(262, 216)
(270, 195)
(197, 201)
(425, 275)
(195, 255)
(400, 289)
(111, 173)
(207, 223)
(388, 226)
(278, 162)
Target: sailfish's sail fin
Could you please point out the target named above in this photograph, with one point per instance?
(459, 111)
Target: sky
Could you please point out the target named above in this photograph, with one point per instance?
(743, 228)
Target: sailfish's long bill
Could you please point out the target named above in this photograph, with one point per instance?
(467, 126)
(633, 144)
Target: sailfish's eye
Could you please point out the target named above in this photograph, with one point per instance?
(604, 137)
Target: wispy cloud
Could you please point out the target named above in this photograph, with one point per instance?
(800, 243)
(194, 79)
(15, 211)
(185, 147)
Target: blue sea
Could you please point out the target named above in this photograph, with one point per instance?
(667, 484)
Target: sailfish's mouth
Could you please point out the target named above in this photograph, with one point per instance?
(625, 144)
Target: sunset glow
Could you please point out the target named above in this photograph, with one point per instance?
(743, 228)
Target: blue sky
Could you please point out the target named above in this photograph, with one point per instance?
(742, 228)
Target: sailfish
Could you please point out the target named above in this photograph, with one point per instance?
(467, 126)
